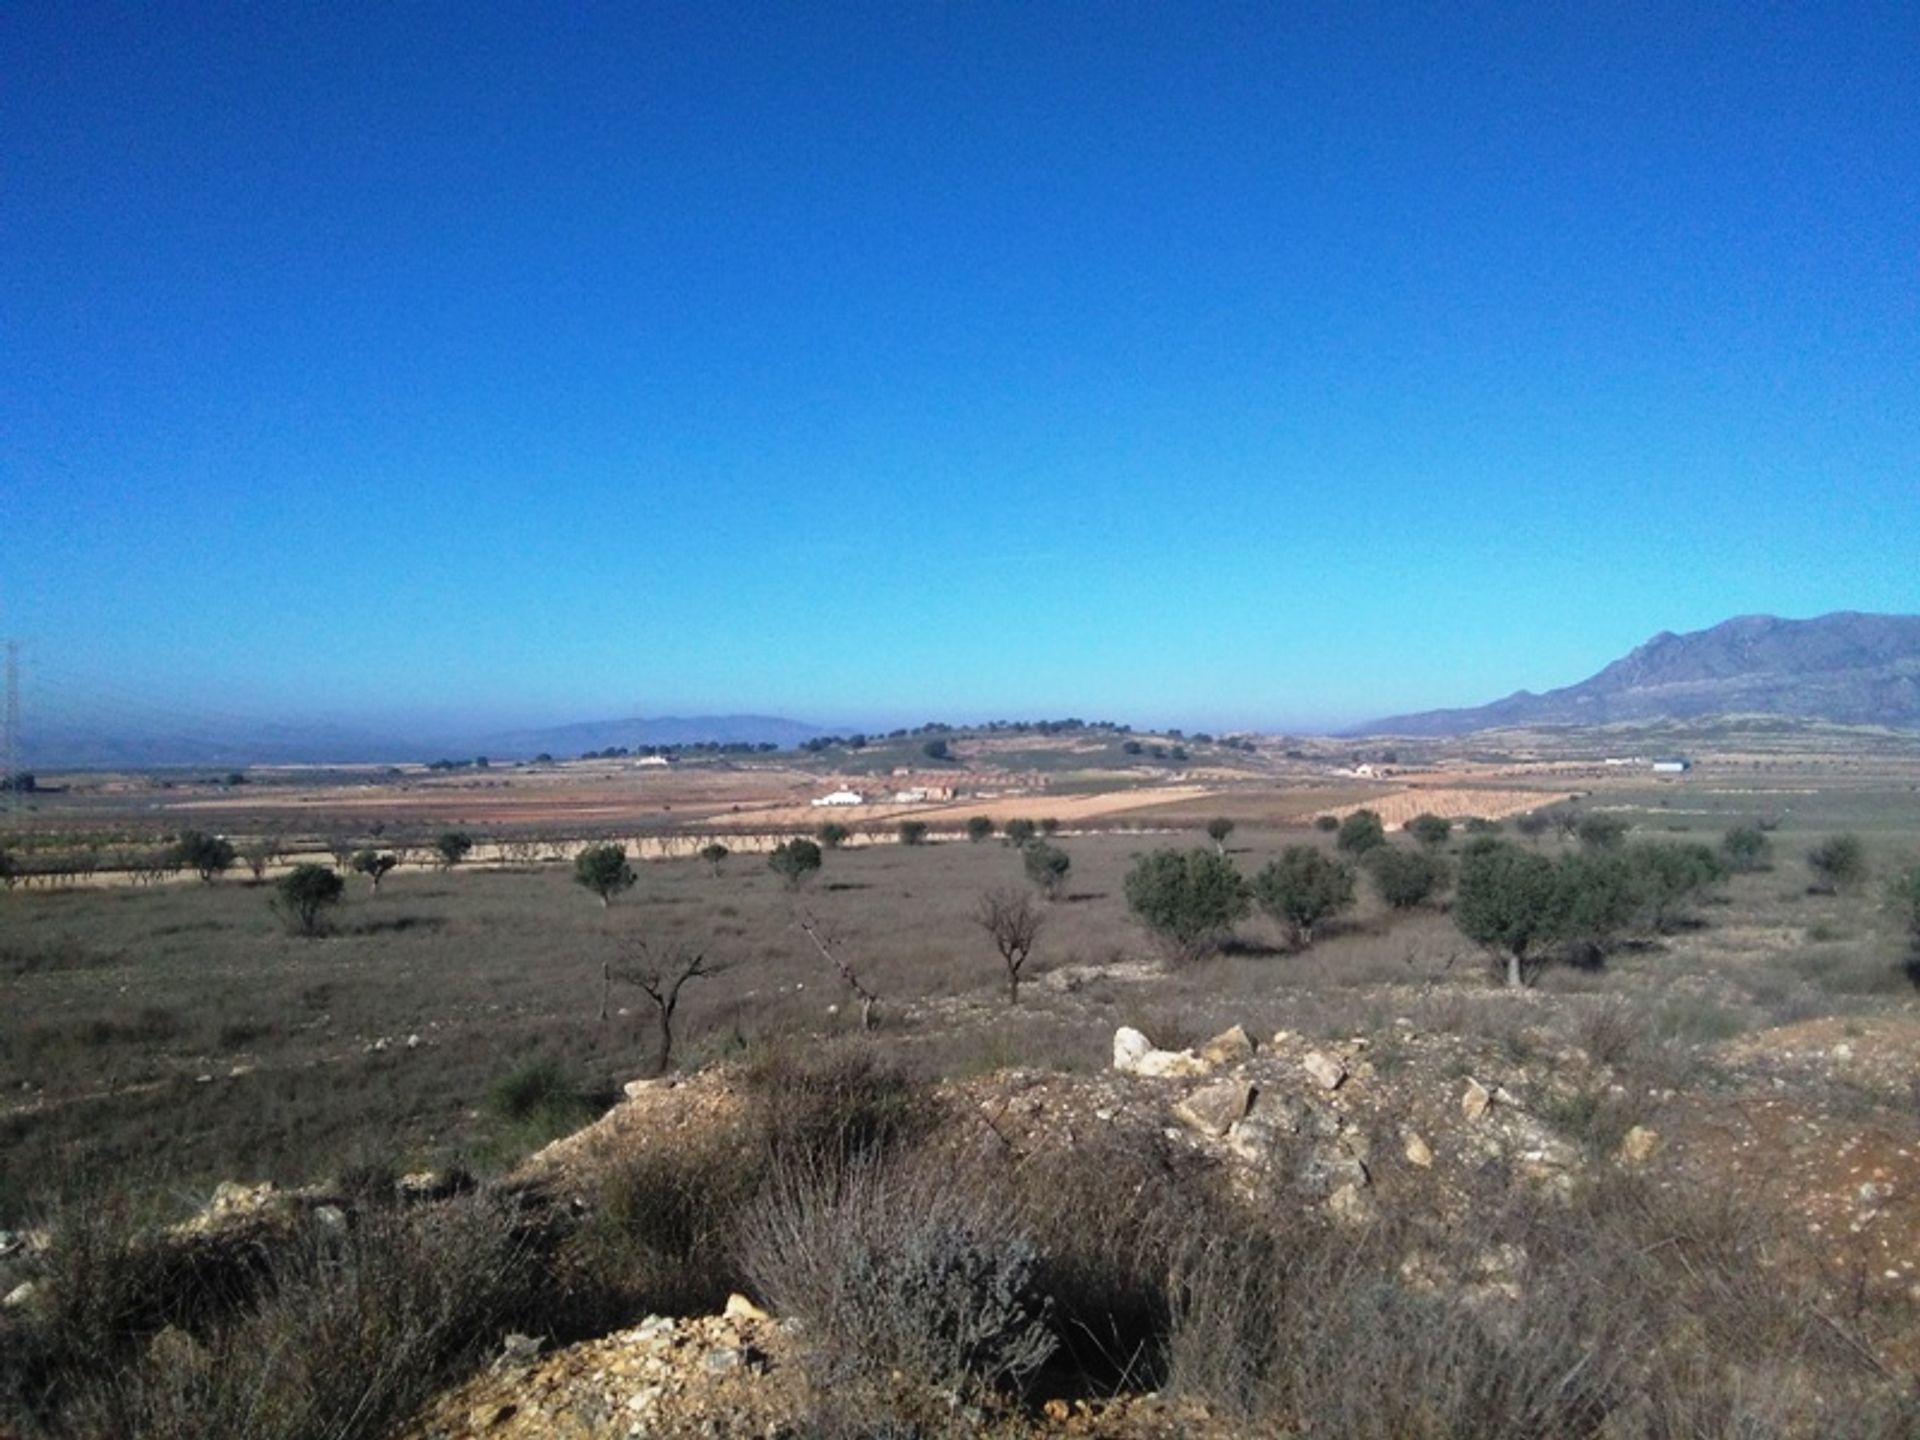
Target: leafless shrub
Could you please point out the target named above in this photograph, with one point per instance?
(659, 974)
(353, 1329)
(893, 1270)
(1013, 922)
(1610, 1032)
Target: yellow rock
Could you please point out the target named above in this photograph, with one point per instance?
(739, 1307)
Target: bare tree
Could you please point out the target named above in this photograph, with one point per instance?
(843, 967)
(659, 977)
(343, 848)
(260, 852)
(1013, 922)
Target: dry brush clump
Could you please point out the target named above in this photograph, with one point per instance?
(893, 1269)
(275, 1332)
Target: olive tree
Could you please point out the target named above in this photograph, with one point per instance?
(979, 828)
(713, 853)
(453, 846)
(1302, 888)
(1189, 901)
(1432, 831)
(794, 861)
(1505, 900)
(913, 832)
(1406, 879)
(604, 870)
(1360, 832)
(832, 834)
(1047, 867)
(1218, 829)
(207, 855)
(304, 893)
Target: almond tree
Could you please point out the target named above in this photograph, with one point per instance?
(1013, 922)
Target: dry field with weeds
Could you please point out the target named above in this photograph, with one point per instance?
(1736, 1092)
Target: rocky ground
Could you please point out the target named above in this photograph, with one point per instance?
(1359, 1127)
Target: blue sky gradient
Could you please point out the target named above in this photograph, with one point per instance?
(1218, 365)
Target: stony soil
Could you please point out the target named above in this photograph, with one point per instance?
(1397, 1119)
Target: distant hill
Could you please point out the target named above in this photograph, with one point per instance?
(1849, 668)
(567, 741)
(79, 743)
(60, 743)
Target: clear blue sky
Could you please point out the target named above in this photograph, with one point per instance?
(1206, 364)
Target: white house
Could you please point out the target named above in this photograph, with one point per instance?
(842, 797)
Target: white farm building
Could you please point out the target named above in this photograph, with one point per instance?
(842, 797)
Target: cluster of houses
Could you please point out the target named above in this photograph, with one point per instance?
(910, 795)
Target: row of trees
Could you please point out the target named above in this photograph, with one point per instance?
(1520, 905)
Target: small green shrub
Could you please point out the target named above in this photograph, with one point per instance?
(1746, 848)
(1838, 863)
(538, 1101)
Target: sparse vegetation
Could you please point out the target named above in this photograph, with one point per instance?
(1600, 831)
(1839, 864)
(1746, 848)
(1100, 1241)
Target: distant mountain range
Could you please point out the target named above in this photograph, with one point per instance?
(57, 743)
(1848, 668)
